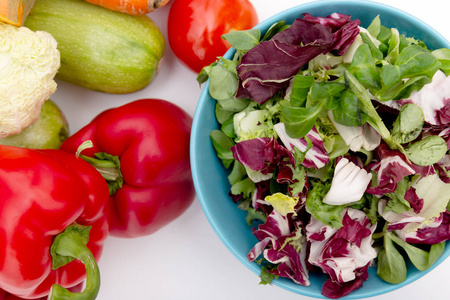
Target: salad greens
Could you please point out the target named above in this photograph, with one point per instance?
(337, 141)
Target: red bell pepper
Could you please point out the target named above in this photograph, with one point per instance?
(142, 148)
(52, 223)
(7, 296)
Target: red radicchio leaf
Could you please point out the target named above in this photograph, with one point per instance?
(262, 189)
(318, 236)
(272, 233)
(250, 153)
(339, 246)
(267, 68)
(344, 29)
(442, 168)
(432, 235)
(317, 156)
(353, 231)
(273, 236)
(261, 154)
(335, 21)
(291, 264)
(414, 200)
(286, 176)
(334, 290)
(338, 254)
(391, 166)
(443, 114)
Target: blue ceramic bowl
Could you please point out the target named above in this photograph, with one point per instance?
(210, 177)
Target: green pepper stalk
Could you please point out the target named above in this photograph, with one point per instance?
(106, 164)
(70, 245)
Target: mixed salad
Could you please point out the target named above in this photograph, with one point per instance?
(337, 141)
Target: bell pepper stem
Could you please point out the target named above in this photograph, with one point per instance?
(70, 245)
(106, 164)
(107, 168)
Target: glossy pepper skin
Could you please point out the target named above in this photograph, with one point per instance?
(7, 296)
(43, 193)
(150, 138)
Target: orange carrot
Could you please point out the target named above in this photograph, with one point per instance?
(131, 7)
(15, 11)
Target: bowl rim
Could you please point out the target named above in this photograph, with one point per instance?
(263, 26)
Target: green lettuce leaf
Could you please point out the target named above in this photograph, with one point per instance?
(325, 213)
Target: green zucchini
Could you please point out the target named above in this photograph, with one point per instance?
(101, 49)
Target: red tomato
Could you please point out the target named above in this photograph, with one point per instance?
(195, 28)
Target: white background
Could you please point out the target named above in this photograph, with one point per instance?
(186, 260)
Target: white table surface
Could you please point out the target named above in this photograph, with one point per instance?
(186, 260)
